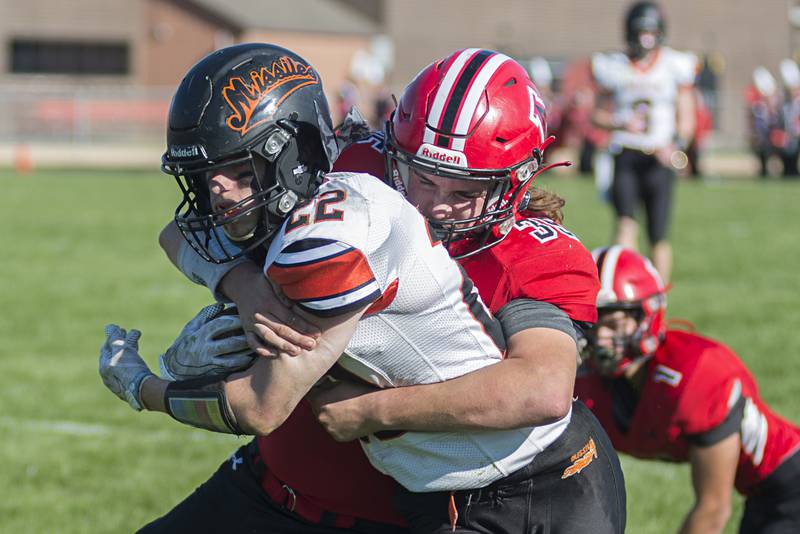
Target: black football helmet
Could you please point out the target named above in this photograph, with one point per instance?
(250, 103)
(644, 17)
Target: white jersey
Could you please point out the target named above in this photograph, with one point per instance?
(648, 92)
(360, 242)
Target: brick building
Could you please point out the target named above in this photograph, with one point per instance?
(136, 50)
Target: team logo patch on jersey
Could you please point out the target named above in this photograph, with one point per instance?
(581, 459)
(244, 95)
(667, 375)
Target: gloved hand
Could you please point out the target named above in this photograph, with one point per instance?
(121, 367)
(211, 343)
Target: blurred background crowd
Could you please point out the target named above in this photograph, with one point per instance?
(88, 82)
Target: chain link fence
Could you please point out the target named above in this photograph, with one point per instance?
(104, 114)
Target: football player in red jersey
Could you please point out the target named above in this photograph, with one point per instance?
(670, 394)
(525, 282)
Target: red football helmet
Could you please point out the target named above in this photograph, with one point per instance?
(474, 115)
(629, 282)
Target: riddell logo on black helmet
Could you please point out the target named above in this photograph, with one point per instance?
(442, 155)
(186, 151)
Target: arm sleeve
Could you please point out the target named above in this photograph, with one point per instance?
(325, 277)
(730, 425)
(521, 314)
(566, 278)
(601, 71)
(684, 65)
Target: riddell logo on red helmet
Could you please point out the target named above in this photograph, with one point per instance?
(442, 155)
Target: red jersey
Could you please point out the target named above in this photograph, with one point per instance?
(695, 387)
(538, 260)
(338, 477)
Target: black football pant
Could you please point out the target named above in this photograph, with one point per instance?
(574, 486)
(640, 178)
(232, 501)
(774, 508)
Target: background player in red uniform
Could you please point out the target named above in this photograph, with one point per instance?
(517, 278)
(671, 394)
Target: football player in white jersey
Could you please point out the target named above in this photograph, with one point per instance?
(347, 250)
(645, 98)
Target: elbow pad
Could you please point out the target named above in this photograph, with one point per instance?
(201, 402)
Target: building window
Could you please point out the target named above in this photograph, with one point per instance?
(34, 56)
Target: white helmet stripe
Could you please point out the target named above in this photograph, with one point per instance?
(653, 272)
(435, 116)
(473, 98)
(609, 268)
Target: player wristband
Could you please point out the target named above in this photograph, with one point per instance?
(203, 272)
(133, 393)
(201, 402)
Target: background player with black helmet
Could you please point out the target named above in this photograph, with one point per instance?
(645, 98)
(537, 375)
(670, 394)
(315, 268)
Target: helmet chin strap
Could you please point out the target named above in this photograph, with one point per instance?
(238, 239)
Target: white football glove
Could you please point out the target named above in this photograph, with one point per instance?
(209, 344)
(121, 367)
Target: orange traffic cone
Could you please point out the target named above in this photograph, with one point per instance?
(23, 161)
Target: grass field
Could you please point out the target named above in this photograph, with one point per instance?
(80, 250)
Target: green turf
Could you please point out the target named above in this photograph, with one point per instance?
(80, 250)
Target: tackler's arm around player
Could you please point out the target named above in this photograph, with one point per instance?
(531, 386)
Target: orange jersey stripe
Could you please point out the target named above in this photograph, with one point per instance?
(325, 278)
(384, 300)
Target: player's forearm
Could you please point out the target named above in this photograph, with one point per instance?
(511, 394)
(225, 280)
(605, 120)
(170, 240)
(238, 283)
(706, 519)
(254, 410)
(152, 393)
(686, 115)
(259, 401)
(263, 396)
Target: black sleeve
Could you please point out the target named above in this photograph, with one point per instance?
(521, 314)
(730, 425)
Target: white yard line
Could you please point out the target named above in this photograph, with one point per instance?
(83, 429)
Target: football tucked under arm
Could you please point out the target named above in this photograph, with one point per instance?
(211, 344)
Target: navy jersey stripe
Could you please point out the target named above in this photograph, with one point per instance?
(308, 244)
(342, 293)
(309, 262)
(352, 306)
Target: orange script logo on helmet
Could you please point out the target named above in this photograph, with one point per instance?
(243, 97)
